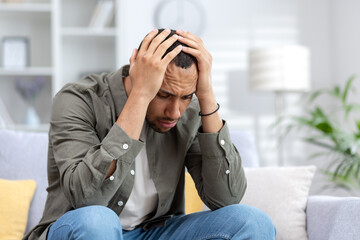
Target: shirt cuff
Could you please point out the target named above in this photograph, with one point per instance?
(117, 143)
(215, 144)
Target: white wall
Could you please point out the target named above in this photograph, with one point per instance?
(345, 37)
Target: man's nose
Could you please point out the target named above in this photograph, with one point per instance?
(173, 110)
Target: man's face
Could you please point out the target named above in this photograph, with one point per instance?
(173, 98)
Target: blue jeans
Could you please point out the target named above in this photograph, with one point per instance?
(231, 222)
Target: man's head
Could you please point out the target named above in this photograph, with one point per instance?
(176, 92)
(183, 60)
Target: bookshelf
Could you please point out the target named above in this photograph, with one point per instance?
(31, 71)
(64, 45)
(88, 32)
(25, 7)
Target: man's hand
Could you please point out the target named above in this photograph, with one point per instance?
(204, 91)
(147, 69)
(197, 49)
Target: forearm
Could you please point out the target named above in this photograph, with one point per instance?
(131, 120)
(213, 122)
(132, 117)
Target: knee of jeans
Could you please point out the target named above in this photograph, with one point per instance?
(99, 220)
(254, 219)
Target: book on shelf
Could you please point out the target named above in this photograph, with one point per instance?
(103, 14)
(12, 1)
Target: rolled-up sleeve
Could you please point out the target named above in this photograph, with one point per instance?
(82, 158)
(215, 165)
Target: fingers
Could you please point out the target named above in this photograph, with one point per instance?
(158, 40)
(147, 40)
(160, 51)
(154, 47)
(171, 55)
(133, 56)
(195, 45)
(190, 40)
(188, 35)
(192, 51)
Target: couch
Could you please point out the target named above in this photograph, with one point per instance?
(23, 156)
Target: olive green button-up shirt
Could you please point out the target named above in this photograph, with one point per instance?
(84, 140)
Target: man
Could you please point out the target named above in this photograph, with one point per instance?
(119, 144)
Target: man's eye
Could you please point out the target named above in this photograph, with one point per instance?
(188, 97)
(163, 96)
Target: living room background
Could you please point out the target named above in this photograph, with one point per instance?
(230, 28)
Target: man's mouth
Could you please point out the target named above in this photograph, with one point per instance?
(167, 124)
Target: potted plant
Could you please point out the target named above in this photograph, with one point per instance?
(336, 130)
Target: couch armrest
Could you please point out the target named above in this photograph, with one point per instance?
(333, 218)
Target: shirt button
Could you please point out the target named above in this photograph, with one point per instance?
(132, 172)
(227, 171)
(125, 146)
(222, 142)
(120, 203)
(111, 178)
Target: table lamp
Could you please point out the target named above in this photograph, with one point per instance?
(279, 70)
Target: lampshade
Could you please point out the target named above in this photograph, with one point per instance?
(284, 68)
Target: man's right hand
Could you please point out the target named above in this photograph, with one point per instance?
(147, 68)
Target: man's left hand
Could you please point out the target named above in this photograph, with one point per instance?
(197, 49)
(211, 123)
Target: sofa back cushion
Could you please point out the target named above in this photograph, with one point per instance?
(245, 143)
(23, 155)
(333, 218)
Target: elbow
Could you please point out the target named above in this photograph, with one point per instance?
(77, 189)
(234, 196)
(74, 193)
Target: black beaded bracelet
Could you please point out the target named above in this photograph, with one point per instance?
(204, 115)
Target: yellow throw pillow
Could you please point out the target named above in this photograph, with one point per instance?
(15, 199)
(193, 202)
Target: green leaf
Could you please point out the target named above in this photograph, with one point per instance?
(336, 92)
(348, 171)
(346, 90)
(320, 144)
(357, 170)
(316, 94)
(324, 127)
(339, 170)
(358, 126)
(319, 154)
(351, 107)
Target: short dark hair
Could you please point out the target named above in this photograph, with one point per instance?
(183, 60)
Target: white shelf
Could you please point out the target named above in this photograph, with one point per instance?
(32, 71)
(25, 7)
(88, 32)
(61, 43)
(22, 127)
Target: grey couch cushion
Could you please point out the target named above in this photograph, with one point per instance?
(245, 143)
(23, 155)
(333, 218)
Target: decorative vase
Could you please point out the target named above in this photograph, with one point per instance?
(31, 117)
